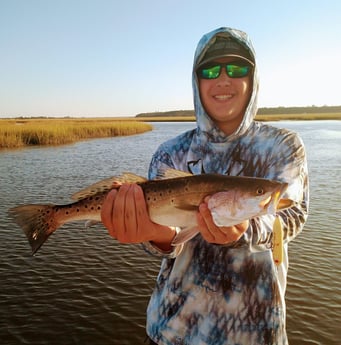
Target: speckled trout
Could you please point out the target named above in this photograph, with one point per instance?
(172, 200)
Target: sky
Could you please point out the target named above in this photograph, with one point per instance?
(123, 57)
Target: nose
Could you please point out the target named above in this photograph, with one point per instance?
(223, 78)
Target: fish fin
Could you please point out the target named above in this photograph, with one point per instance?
(171, 173)
(185, 235)
(128, 177)
(90, 223)
(37, 222)
(98, 187)
(107, 184)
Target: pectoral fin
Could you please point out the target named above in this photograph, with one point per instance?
(90, 223)
(185, 235)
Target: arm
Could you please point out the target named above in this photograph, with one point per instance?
(288, 164)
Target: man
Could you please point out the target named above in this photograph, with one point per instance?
(222, 287)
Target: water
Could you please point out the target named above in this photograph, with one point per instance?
(84, 288)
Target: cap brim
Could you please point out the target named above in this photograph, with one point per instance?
(213, 58)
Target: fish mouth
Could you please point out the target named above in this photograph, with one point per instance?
(265, 204)
(275, 203)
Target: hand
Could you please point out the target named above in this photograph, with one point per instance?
(125, 215)
(215, 234)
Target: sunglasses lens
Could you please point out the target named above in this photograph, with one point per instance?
(210, 72)
(235, 71)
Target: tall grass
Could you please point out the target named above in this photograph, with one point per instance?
(18, 133)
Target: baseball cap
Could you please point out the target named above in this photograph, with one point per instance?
(226, 47)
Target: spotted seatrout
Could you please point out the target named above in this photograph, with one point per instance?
(171, 201)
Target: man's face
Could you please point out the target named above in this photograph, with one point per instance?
(224, 98)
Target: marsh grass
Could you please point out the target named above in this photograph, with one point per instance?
(17, 133)
(22, 132)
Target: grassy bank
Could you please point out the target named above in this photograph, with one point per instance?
(52, 131)
(299, 117)
(259, 117)
(15, 133)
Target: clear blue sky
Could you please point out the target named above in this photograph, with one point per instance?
(123, 57)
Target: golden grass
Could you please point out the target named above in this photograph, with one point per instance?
(301, 117)
(16, 133)
(52, 131)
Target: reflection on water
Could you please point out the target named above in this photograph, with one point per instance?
(84, 288)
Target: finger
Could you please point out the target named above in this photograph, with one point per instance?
(118, 214)
(130, 221)
(213, 233)
(141, 205)
(106, 211)
(204, 223)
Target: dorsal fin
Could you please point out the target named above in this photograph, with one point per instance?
(172, 173)
(108, 184)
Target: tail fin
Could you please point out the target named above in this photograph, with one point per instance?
(37, 222)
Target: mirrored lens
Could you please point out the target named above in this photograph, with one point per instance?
(235, 71)
(210, 72)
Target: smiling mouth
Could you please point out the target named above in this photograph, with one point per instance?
(223, 97)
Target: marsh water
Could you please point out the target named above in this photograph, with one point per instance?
(83, 287)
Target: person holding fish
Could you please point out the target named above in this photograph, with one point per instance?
(234, 193)
(220, 286)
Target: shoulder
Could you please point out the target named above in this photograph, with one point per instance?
(171, 153)
(278, 137)
(182, 141)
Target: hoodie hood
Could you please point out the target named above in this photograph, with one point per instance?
(207, 127)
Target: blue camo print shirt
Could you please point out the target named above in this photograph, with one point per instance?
(208, 294)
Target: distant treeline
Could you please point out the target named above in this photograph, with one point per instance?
(261, 111)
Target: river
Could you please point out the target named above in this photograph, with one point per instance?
(83, 287)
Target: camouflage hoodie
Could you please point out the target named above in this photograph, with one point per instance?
(209, 294)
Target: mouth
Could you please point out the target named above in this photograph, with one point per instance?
(224, 97)
(275, 203)
(266, 202)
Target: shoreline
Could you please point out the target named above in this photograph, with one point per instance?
(263, 118)
(28, 132)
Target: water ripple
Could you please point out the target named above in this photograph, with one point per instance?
(84, 288)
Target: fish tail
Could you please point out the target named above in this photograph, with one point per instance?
(37, 221)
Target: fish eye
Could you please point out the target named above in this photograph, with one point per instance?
(260, 191)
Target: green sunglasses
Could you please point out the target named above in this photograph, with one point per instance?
(233, 70)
